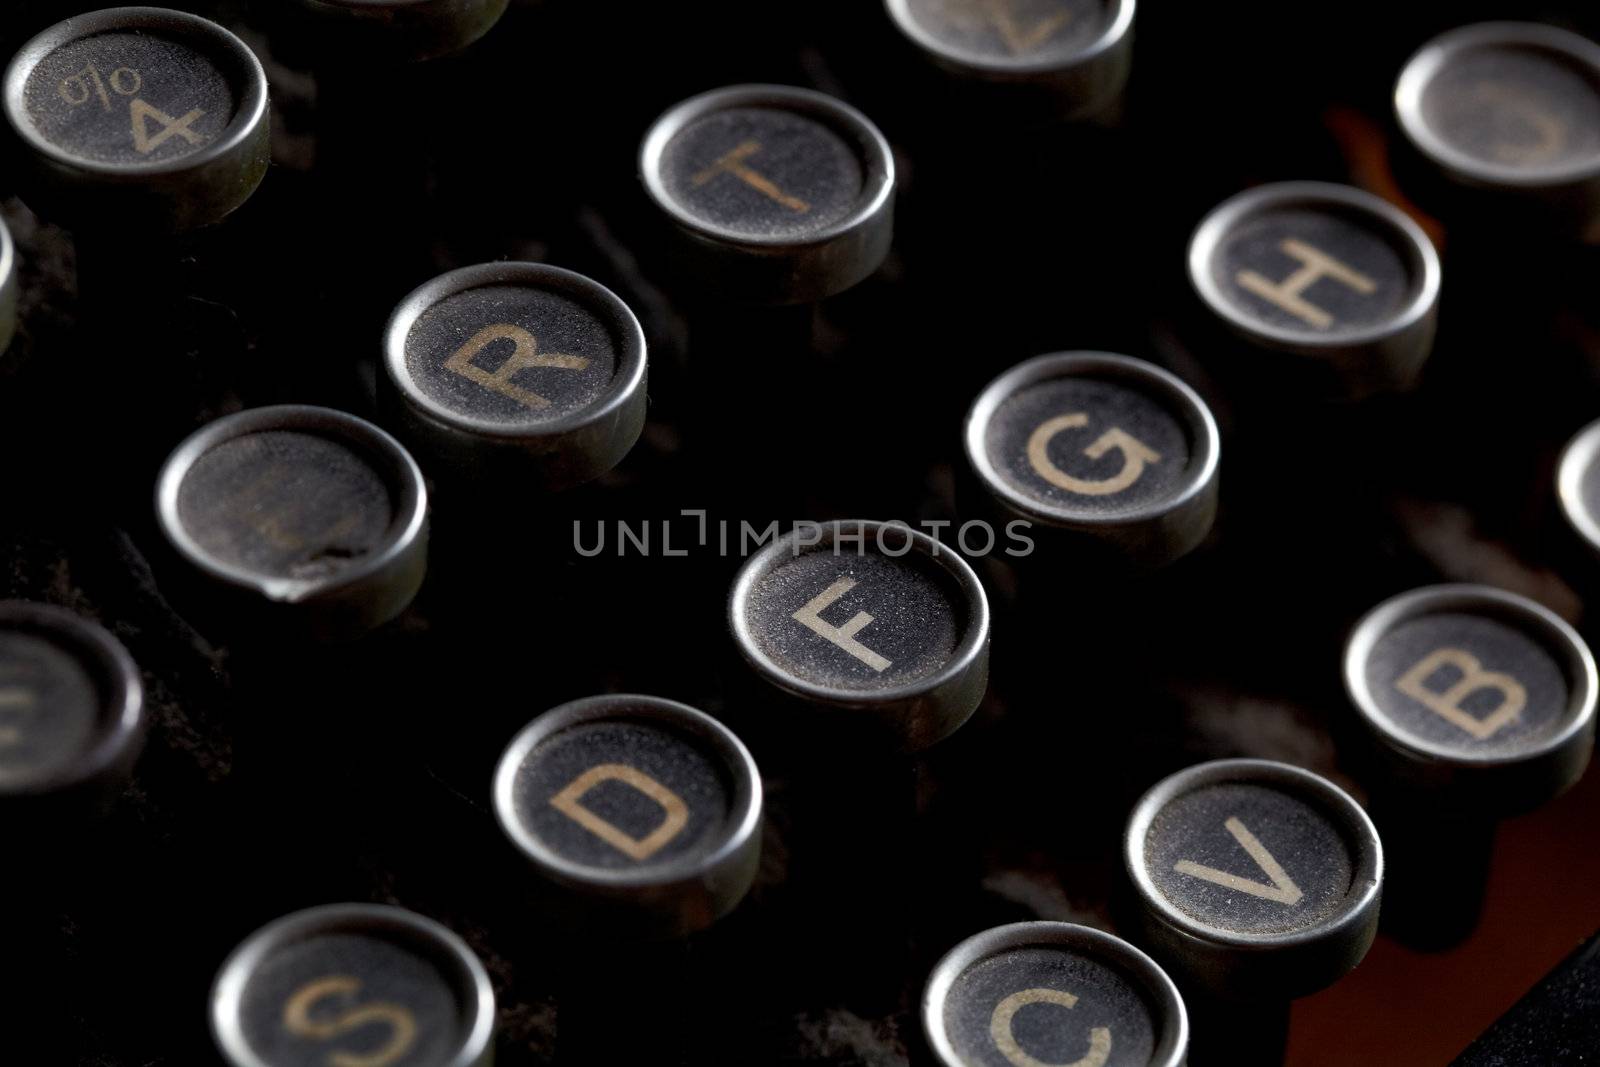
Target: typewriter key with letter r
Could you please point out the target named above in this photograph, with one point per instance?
(1474, 704)
(1050, 992)
(517, 373)
(138, 119)
(353, 984)
(1254, 882)
(299, 521)
(1322, 287)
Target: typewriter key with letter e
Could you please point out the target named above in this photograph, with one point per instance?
(296, 522)
(1253, 882)
(1321, 288)
(353, 984)
(641, 820)
(1474, 704)
(138, 119)
(518, 375)
(1504, 119)
(1052, 993)
(72, 717)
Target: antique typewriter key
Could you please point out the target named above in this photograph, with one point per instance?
(1255, 882)
(1577, 499)
(138, 119)
(641, 815)
(1100, 450)
(1050, 992)
(1328, 288)
(642, 819)
(1475, 704)
(1506, 117)
(877, 627)
(397, 32)
(353, 984)
(8, 287)
(72, 716)
(777, 195)
(299, 521)
(1046, 58)
(520, 373)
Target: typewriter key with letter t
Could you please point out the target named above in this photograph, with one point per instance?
(138, 119)
(1052, 58)
(300, 521)
(778, 195)
(1506, 115)
(1476, 704)
(72, 716)
(353, 984)
(876, 625)
(1326, 286)
(1100, 448)
(515, 368)
(1255, 882)
(641, 815)
(1052, 993)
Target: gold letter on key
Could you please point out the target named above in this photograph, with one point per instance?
(1447, 705)
(844, 636)
(1289, 293)
(569, 802)
(1135, 455)
(1004, 1040)
(525, 354)
(734, 163)
(402, 1026)
(1282, 890)
(21, 703)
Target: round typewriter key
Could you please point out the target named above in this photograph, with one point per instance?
(781, 195)
(1578, 489)
(72, 714)
(398, 30)
(138, 118)
(1475, 690)
(8, 287)
(519, 367)
(644, 814)
(1052, 993)
(1511, 112)
(1337, 287)
(1254, 879)
(875, 621)
(312, 521)
(353, 984)
(1103, 446)
(1076, 53)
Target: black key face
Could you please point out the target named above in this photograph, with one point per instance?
(624, 795)
(351, 998)
(511, 355)
(1085, 446)
(1012, 32)
(857, 621)
(50, 709)
(763, 173)
(1047, 1005)
(1314, 271)
(129, 98)
(286, 504)
(1243, 858)
(1468, 684)
(1530, 110)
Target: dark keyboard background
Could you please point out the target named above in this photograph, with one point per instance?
(274, 780)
